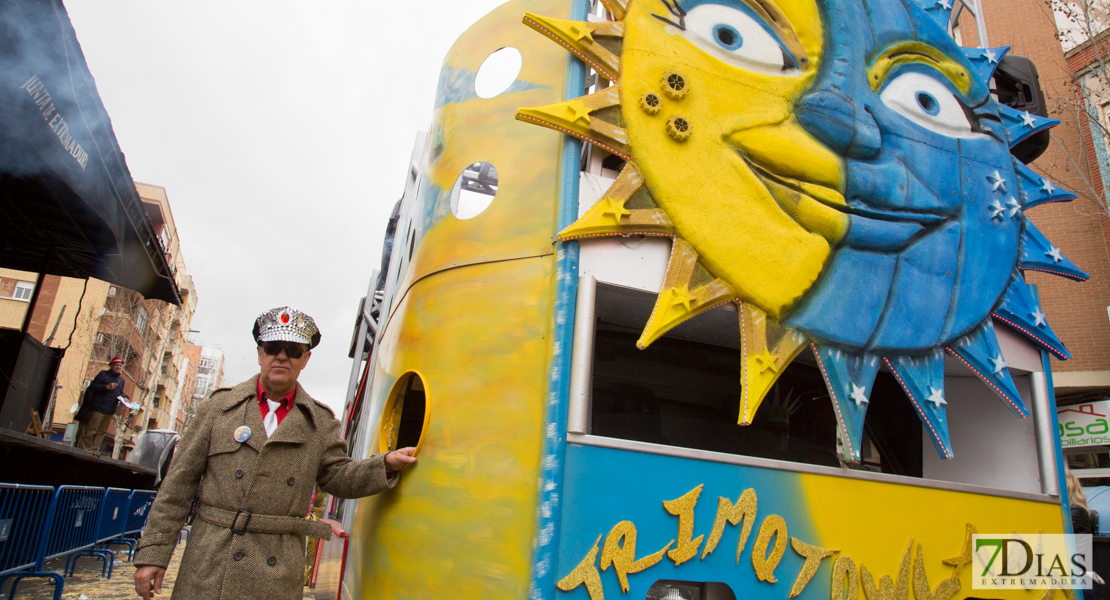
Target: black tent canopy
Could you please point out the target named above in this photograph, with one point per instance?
(68, 205)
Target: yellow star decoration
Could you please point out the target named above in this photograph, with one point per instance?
(682, 296)
(581, 113)
(615, 209)
(581, 33)
(766, 361)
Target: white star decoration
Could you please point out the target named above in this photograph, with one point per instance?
(1015, 208)
(997, 210)
(1038, 317)
(1054, 252)
(1027, 120)
(999, 363)
(945, 4)
(859, 394)
(936, 397)
(989, 55)
(997, 181)
(1047, 186)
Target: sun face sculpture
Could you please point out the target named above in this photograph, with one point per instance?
(836, 168)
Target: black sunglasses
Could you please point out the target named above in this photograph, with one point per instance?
(292, 349)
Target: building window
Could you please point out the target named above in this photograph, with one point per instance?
(23, 291)
(85, 385)
(112, 291)
(100, 338)
(140, 321)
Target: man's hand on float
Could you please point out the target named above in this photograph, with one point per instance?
(399, 459)
(148, 581)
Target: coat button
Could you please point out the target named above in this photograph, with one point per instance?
(238, 556)
(290, 481)
(271, 561)
(239, 474)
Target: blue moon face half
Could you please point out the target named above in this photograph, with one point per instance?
(935, 208)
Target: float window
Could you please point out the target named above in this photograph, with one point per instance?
(406, 416)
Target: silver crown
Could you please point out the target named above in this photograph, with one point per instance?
(285, 324)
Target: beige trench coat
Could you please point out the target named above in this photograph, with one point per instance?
(265, 476)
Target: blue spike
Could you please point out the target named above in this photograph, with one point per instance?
(1020, 125)
(922, 377)
(849, 378)
(1038, 254)
(979, 350)
(1020, 311)
(1036, 190)
(939, 10)
(985, 60)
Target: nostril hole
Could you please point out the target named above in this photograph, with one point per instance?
(928, 103)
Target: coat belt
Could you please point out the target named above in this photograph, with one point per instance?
(243, 521)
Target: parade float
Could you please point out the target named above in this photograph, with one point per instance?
(739, 312)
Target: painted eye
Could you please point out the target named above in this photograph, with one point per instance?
(929, 103)
(737, 38)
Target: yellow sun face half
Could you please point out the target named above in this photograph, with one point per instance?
(733, 184)
(715, 159)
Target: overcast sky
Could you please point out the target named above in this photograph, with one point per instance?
(281, 132)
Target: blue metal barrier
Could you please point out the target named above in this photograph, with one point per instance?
(71, 527)
(24, 513)
(110, 524)
(39, 523)
(137, 512)
(141, 500)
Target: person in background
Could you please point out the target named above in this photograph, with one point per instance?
(1080, 517)
(101, 399)
(1080, 514)
(261, 447)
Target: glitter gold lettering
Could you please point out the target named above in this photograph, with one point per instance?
(773, 527)
(585, 573)
(959, 562)
(887, 590)
(623, 557)
(744, 510)
(921, 590)
(683, 508)
(845, 580)
(814, 556)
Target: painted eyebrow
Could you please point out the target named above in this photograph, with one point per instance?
(766, 10)
(901, 53)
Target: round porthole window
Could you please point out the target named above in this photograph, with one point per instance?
(406, 416)
(497, 72)
(474, 190)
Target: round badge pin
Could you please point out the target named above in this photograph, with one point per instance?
(242, 434)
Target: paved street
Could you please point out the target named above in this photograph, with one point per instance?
(86, 583)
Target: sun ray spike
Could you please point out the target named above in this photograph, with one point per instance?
(979, 350)
(922, 378)
(1020, 125)
(1036, 190)
(768, 349)
(849, 378)
(578, 37)
(610, 217)
(985, 60)
(1038, 254)
(1022, 312)
(677, 302)
(575, 118)
(939, 10)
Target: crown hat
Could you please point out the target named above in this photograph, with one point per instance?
(285, 324)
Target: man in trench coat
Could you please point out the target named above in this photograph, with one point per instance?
(260, 460)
